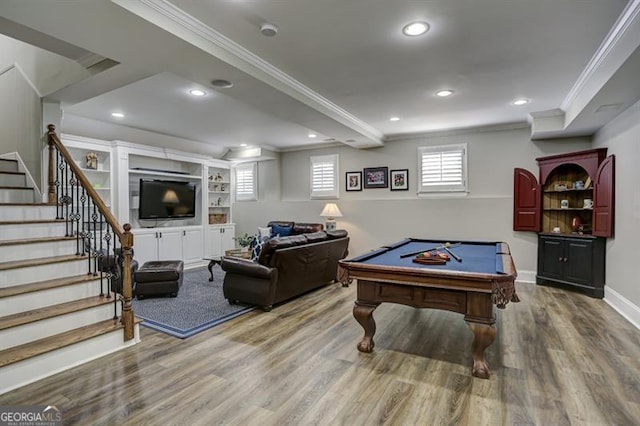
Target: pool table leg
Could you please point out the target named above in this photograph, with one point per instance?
(363, 313)
(483, 336)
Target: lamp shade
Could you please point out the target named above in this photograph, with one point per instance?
(330, 211)
(170, 197)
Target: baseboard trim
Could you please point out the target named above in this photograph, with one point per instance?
(628, 310)
(526, 277)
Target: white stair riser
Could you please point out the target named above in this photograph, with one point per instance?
(16, 196)
(40, 299)
(12, 180)
(50, 363)
(32, 230)
(27, 212)
(8, 166)
(26, 333)
(50, 271)
(37, 250)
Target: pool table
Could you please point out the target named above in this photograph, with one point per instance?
(483, 277)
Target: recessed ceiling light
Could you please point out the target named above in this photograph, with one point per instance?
(313, 135)
(268, 30)
(415, 29)
(394, 119)
(117, 114)
(444, 93)
(197, 92)
(243, 144)
(221, 84)
(519, 102)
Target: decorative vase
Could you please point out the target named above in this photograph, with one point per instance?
(91, 161)
(576, 222)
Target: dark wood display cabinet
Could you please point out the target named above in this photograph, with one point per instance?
(572, 210)
(575, 261)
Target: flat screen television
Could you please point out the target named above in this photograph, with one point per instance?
(166, 199)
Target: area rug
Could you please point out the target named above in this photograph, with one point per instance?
(199, 306)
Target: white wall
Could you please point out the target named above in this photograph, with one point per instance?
(375, 217)
(622, 138)
(87, 127)
(47, 71)
(20, 118)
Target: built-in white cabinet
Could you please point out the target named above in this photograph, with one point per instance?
(219, 238)
(115, 169)
(192, 245)
(94, 158)
(219, 194)
(184, 244)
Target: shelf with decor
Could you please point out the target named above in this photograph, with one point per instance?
(571, 207)
(95, 159)
(219, 193)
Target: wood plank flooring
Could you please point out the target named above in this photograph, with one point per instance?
(560, 358)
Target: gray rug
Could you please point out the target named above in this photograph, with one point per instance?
(199, 306)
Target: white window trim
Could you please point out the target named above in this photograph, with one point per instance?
(329, 193)
(443, 188)
(253, 195)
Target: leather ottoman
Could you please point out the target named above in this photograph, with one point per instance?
(159, 277)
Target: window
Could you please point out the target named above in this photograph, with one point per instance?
(443, 168)
(324, 176)
(246, 185)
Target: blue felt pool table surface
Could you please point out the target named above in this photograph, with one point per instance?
(477, 257)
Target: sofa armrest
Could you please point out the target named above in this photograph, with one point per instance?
(247, 267)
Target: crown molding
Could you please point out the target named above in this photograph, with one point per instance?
(461, 131)
(607, 49)
(234, 54)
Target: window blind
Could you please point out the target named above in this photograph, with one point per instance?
(324, 176)
(443, 168)
(246, 182)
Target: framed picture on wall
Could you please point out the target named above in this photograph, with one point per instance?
(399, 180)
(376, 177)
(353, 181)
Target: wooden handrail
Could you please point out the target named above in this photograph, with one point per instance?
(84, 182)
(123, 232)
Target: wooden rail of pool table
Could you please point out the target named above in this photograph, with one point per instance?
(470, 293)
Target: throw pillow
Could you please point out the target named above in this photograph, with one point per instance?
(283, 231)
(264, 232)
(256, 246)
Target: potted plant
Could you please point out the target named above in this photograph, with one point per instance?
(244, 241)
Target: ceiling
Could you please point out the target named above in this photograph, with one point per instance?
(340, 69)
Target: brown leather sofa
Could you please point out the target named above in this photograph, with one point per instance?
(287, 267)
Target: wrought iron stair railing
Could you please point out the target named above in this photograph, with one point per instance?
(107, 246)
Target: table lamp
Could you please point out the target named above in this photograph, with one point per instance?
(331, 211)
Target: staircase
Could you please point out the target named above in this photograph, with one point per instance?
(53, 314)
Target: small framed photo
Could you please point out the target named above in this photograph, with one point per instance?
(399, 180)
(353, 181)
(376, 177)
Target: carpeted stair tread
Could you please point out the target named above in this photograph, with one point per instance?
(15, 264)
(39, 314)
(12, 173)
(16, 187)
(51, 343)
(45, 285)
(34, 240)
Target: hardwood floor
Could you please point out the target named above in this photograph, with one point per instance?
(559, 358)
